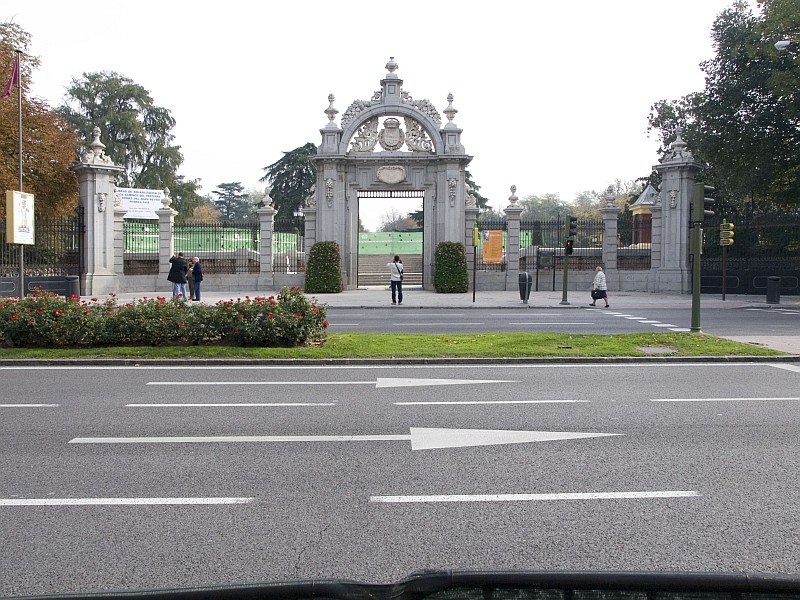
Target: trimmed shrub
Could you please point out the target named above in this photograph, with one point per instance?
(324, 269)
(451, 275)
(44, 319)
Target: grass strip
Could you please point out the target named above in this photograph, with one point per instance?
(391, 345)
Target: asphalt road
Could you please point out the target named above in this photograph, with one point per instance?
(347, 472)
(574, 319)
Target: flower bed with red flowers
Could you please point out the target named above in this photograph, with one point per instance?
(43, 319)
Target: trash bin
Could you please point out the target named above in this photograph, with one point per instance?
(773, 290)
(525, 282)
(73, 286)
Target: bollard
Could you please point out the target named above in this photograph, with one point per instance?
(773, 290)
(525, 282)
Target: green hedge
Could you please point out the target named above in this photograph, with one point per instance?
(451, 268)
(44, 319)
(324, 269)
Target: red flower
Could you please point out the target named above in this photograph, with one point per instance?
(270, 316)
(235, 330)
(180, 324)
(55, 324)
(325, 323)
(94, 299)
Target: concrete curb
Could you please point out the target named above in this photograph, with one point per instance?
(568, 360)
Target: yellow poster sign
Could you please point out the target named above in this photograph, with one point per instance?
(492, 247)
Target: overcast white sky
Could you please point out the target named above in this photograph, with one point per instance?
(553, 96)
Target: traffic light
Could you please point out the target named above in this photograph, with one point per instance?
(701, 204)
(726, 234)
(571, 227)
(568, 247)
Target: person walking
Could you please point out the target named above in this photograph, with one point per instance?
(196, 277)
(599, 287)
(396, 279)
(177, 275)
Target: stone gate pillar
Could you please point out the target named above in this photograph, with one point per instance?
(678, 170)
(96, 173)
(513, 212)
(655, 243)
(166, 241)
(610, 214)
(266, 221)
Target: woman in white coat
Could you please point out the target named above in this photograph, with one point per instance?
(599, 284)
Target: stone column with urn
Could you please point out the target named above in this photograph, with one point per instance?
(513, 212)
(96, 173)
(266, 221)
(166, 241)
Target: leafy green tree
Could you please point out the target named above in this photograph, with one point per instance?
(291, 179)
(232, 201)
(49, 144)
(136, 132)
(185, 197)
(543, 207)
(746, 123)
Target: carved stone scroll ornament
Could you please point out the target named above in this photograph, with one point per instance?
(329, 191)
(451, 190)
(424, 106)
(391, 136)
(391, 174)
(366, 137)
(416, 138)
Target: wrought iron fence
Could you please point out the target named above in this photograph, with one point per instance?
(765, 245)
(634, 234)
(542, 242)
(288, 236)
(141, 247)
(57, 250)
(223, 248)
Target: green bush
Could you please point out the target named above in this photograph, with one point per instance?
(450, 263)
(324, 269)
(44, 319)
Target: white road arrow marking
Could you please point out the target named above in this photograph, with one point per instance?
(381, 382)
(389, 382)
(421, 438)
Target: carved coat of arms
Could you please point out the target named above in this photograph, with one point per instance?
(391, 136)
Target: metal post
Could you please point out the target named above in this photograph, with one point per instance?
(19, 124)
(724, 265)
(696, 248)
(565, 282)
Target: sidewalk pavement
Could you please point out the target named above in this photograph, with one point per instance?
(416, 298)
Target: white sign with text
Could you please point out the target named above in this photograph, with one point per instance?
(141, 203)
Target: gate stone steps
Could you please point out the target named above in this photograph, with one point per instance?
(372, 270)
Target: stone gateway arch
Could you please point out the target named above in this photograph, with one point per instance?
(390, 146)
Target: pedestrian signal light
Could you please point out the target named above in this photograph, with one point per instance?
(702, 205)
(726, 234)
(568, 247)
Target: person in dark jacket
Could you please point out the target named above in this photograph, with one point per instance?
(197, 277)
(177, 275)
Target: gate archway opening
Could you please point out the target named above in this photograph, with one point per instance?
(397, 234)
